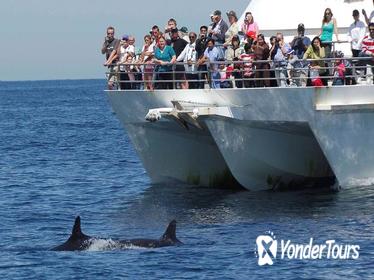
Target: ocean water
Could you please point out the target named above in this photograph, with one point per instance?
(63, 153)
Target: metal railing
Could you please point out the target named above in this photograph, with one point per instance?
(254, 73)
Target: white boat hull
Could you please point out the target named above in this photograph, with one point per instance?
(271, 135)
(264, 155)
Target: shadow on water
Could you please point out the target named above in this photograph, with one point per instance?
(196, 205)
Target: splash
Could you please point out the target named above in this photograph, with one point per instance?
(99, 244)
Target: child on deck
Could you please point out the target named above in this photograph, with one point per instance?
(339, 70)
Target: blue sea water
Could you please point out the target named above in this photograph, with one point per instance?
(63, 153)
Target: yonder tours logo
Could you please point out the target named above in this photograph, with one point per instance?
(269, 249)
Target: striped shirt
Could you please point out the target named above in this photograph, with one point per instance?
(368, 45)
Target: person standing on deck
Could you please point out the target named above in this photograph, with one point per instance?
(233, 29)
(201, 45)
(211, 55)
(189, 57)
(356, 34)
(218, 31)
(110, 45)
(328, 28)
(368, 48)
(300, 44)
(249, 26)
(178, 44)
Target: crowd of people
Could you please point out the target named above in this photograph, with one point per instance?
(227, 55)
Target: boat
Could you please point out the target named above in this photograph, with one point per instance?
(256, 138)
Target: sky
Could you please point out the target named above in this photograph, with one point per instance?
(61, 39)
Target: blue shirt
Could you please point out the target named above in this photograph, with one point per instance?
(165, 55)
(213, 56)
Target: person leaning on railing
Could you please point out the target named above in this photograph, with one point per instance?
(247, 67)
(164, 57)
(299, 44)
(261, 51)
(316, 68)
(211, 56)
(201, 44)
(124, 49)
(368, 48)
(232, 54)
(178, 45)
(146, 58)
(189, 57)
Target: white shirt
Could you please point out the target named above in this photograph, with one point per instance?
(151, 49)
(356, 34)
(189, 54)
(123, 54)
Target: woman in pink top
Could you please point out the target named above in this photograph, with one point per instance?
(146, 57)
(250, 25)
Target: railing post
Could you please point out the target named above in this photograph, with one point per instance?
(173, 68)
(209, 74)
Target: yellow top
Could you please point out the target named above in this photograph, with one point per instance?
(311, 54)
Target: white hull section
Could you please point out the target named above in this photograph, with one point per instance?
(280, 154)
(269, 135)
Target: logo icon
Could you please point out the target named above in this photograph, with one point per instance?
(266, 249)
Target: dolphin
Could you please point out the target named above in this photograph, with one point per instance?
(78, 241)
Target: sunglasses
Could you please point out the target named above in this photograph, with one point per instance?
(192, 37)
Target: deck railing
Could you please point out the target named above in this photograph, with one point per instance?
(254, 73)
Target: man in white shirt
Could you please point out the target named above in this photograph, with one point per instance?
(370, 18)
(189, 57)
(356, 34)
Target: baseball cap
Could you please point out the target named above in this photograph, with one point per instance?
(216, 13)
(184, 29)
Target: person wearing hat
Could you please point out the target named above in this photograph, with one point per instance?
(123, 51)
(183, 33)
(356, 33)
(300, 43)
(233, 29)
(219, 28)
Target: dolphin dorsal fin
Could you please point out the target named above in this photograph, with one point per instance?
(77, 232)
(170, 231)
